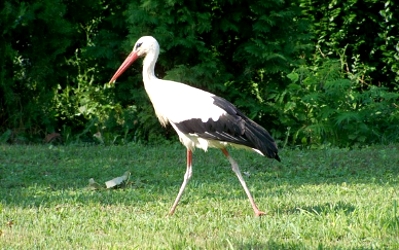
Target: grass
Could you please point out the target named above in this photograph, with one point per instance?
(315, 199)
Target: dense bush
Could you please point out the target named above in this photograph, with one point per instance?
(51, 75)
(57, 57)
(366, 28)
(35, 38)
(324, 105)
(234, 49)
(60, 54)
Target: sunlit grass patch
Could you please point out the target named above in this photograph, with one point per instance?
(328, 199)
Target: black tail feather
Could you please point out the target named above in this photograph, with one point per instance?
(261, 139)
(253, 135)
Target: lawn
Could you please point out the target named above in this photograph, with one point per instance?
(314, 199)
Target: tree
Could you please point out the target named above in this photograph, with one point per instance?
(236, 49)
(367, 29)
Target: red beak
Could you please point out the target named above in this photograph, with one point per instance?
(128, 61)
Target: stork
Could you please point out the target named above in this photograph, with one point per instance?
(201, 119)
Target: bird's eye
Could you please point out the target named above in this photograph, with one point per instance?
(138, 45)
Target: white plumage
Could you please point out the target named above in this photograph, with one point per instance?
(200, 118)
(175, 102)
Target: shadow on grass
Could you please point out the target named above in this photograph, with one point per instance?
(275, 244)
(271, 244)
(37, 175)
(324, 208)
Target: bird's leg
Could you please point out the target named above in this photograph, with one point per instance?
(187, 176)
(237, 171)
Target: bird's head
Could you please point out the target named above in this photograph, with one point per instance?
(143, 46)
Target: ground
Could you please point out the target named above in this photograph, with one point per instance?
(326, 199)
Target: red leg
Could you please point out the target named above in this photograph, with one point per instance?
(187, 177)
(237, 171)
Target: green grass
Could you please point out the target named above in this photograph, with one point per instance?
(315, 199)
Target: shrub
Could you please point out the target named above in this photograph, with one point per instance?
(325, 104)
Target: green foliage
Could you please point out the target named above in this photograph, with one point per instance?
(32, 52)
(88, 105)
(368, 28)
(324, 104)
(57, 57)
(232, 48)
(47, 75)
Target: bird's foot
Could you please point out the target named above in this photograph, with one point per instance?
(259, 213)
(171, 212)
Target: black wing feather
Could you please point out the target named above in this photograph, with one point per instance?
(233, 127)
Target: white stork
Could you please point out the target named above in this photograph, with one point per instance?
(201, 119)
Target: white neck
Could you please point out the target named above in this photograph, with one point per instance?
(149, 65)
